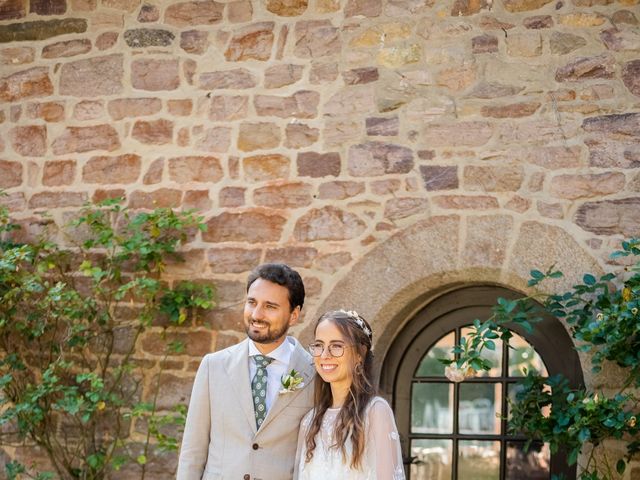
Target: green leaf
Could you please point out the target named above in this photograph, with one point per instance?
(141, 459)
(621, 466)
(589, 279)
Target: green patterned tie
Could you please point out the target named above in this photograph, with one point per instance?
(259, 388)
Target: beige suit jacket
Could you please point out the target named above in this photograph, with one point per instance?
(220, 439)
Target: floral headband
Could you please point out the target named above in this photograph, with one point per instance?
(355, 316)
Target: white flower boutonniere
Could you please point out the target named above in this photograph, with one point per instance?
(291, 382)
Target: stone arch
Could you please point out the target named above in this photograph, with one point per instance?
(397, 278)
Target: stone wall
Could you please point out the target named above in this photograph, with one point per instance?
(483, 137)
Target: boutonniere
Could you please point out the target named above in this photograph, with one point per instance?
(291, 382)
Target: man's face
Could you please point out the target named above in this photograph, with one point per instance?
(267, 314)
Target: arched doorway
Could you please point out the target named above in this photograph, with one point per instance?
(449, 430)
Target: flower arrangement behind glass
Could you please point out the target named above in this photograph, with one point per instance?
(604, 320)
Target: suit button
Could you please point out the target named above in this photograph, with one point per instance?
(247, 476)
(255, 446)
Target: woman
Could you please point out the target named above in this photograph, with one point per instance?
(350, 434)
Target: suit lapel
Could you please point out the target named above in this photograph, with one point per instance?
(302, 363)
(237, 367)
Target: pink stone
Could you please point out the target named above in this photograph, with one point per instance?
(29, 141)
(85, 139)
(232, 196)
(300, 135)
(155, 74)
(194, 41)
(403, 207)
(227, 107)
(252, 226)
(601, 66)
(611, 217)
(148, 13)
(34, 82)
(69, 48)
(484, 44)
(553, 157)
(323, 72)
(133, 107)
(240, 11)
(437, 177)
(587, 185)
(197, 200)
(378, 158)
(302, 104)
(16, 55)
(93, 77)
(58, 173)
(365, 8)
(297, 257)
(195, 169)
(316, 38)
(287, 8)
(282, 75)
(162, 198)
(328, 223)
(154, 132)
(10, 174)
(253, 42)
(339, 190)
(217, 139)
(473, 202)
(88, 110)
(351, 100)
(312, 164)
(493, 178)
(631, 76)
(359, 76)
(382, 126)
(180, 108)
(50, 200)
(265, 167)
(468, 134)
(510, 110)
(238, 78)
(154, 172)
(283, 195)
(112, 170)
(232, 260)
(47, 111)
(106, 40)
(184, 14)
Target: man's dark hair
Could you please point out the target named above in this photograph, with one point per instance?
(282, 275)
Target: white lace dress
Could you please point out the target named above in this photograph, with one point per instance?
(382, 456)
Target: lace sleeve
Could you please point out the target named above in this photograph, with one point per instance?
(301, 450)
(383, 438)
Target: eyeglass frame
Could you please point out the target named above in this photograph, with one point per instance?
(327, 348)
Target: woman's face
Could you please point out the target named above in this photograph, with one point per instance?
(335, 370)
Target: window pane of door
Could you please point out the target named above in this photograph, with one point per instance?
(493, 356)
(432, 459)
(478, 407)
(523, 356)
(432, 408)
(478, 460)
(533, 464)
(430, 366)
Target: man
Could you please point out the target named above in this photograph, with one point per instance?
(242, 422)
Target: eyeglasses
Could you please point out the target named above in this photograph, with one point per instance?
(335, 349)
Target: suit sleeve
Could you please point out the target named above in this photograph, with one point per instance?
(195, 441)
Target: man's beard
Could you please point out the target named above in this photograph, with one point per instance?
(270, 336)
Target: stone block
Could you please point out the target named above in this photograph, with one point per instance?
(614, 126)
(465, 202)
(29, 140)
(240, 11)
(148, 37)
(493, 178)
(538, 21)
(252, 226)
(385, 187)
(524, 5)
(195, 169)
(155, 74)
(312, 164)
(563, 43)
(253, 42)
(403, 207)
(358, 76)
(12, 9)
(16, 55)
(232, 260)
(340, 190)
(302, 104)
(624, 16)
(378, 158)
(34, 82)
(203, 12)
(238, 78)
(228, 107)
(231, 197)
(217, 139)
(487, 240)
(328, 223)
(181, 108)
(194, 41)
(41, 29)
(112, 170)
(350, 100)
(88, 110)
(584, 68)
(257, 136)
(512, 110)
(106, 40)
(133, 107)
(69, 48)
(621, 39)
(468, 7)
(527, 44)
(86, 139)
(148, 13)
(316, 38)
(468, 134)
(93, 77)
(287, 8)
(554, 157)
(587, 185)
(611, 217)
(153, 174)
(300, 135)
(10, 174)
(488, 90)
(161, 198)
(323, 72)
(484, 44)
(457, 78)
(58, 173)
(382, 126)
(47, 111)
(283, 195)
(396, 57)
(281, 75)
(437, 177)
(50, 200)
(582, 19)
(363, 8)
(153, 132)
(259, 168)
(631, 76)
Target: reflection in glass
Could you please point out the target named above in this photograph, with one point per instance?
(533, 464)
(432, 408)
(431, 460)
(478, 460)
(430, 366)
(493, 356)
(478, 407)
(522, 356)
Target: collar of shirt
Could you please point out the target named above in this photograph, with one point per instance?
(281, 355)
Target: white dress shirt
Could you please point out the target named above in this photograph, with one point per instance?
(275, 370)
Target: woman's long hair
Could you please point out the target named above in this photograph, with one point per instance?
(350, 423)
